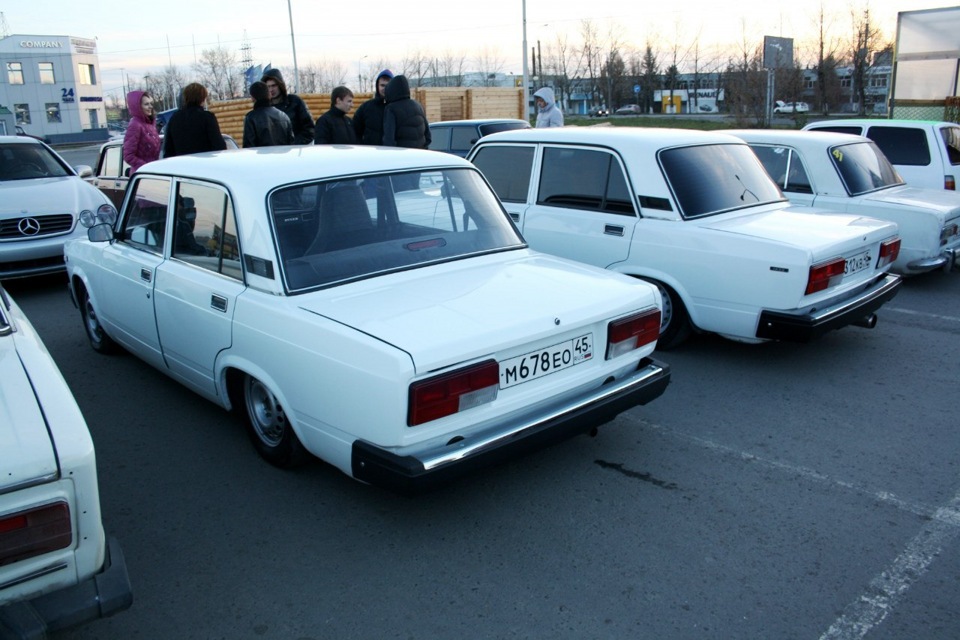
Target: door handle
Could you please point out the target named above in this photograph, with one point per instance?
(218, 303)
(146, 275)
(612, 230)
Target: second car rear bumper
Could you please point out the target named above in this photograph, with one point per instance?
(775, 325)
(411, 473)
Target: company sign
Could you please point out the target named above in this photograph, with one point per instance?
(40, 44)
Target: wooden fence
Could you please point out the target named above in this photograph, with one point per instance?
(439, 104)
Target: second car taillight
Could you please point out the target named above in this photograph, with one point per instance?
(949, 182)
(33, 532)
(825, 275)
(889, 251)
(453, 392)
(947, 233)
(632, 332)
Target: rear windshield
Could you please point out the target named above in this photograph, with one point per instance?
(342, 230)
(711, 179)
(863, 167)
(902, 145)
(29, 161)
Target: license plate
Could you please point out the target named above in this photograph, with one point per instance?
(543, 362)
(858, 262)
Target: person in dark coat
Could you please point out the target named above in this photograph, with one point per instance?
(265, 125)
(368, 120)
(404, 123)
(291, 104)
(192, 129)
(334, 127)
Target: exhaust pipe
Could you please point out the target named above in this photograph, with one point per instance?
(868, 322)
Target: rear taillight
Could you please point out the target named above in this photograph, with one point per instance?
(889, 251)
(825, 275)
(949, 183)
(632, 332)
(946, 233)
(30, 533)
(453, 392)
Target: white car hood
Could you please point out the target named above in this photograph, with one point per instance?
(26, 452)
(48, 195)
(498, 303)
(945, 204)
(801, 227)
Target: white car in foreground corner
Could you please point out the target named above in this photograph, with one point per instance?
(57, 568)
(694, 213)
(841, 172)
(371, 306)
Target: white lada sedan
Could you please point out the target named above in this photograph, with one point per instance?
(843, 172)
(694, 213)
(373, 307)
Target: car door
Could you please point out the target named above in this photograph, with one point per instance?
(581, 192)
(124, 290)
(197, 288)
(111, 177)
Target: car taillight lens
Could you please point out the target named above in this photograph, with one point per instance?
(889, 251)
(632, 332)
(946, 233)
(825, 275)
(949, 183)
(34, 532)
(453, 392)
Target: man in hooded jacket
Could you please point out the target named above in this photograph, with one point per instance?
(291, 104)
(265, 125)
(404, 123)
(548, 114)
(368, 119)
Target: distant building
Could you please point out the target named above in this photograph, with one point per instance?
(52, 85)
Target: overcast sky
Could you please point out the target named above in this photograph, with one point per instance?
(144, 37)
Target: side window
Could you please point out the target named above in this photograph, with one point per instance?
(774, 160)
(462, 139)
(507, 169)
(854, 131)
(205, 231)
(146, 214)
(951, 142)
(797, 179)
(902, 145)
(113, 164)
(440, 138)
(584, 179)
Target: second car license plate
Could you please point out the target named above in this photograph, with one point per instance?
(857, 263)
(537, 364)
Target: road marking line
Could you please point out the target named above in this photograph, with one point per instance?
(911, 312)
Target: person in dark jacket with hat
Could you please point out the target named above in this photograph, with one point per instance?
(334, 127)
(368, 120)
(192, 129)
(404, 122)
(265, 125)
(291, 104)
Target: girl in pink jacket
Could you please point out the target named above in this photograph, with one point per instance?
(141, 142)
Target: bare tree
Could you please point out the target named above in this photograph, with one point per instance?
(593, 64)
(563, 66)
(826, 90)
(866, 39)
(650, 79)
(745, 87)
(219, 71)
(449, 70)
(489, 63)
(416, 66)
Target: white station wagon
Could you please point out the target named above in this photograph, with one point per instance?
(694, 213)
(841, 172)
(374, 307)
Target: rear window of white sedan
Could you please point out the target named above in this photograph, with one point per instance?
(340, 230)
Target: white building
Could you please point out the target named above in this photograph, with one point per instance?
(52, 85)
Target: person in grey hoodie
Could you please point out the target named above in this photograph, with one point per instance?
(548, 114)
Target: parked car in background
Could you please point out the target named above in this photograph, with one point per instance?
(41, 199)
(628, 110)
(22, 132)
(598, 112)
(57, 567)
(112, 173)
(842, 172)
(790, 107)
(925, 153)
(458, 136)
(695, 214)
(377, 310)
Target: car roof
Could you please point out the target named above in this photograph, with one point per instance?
(795, 137)
(623, 138)
(477, 121)
(19, 140)
(871, 122)
(263, 168)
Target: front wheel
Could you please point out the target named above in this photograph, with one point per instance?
(268, 427)
(99, 340)
(675, 324)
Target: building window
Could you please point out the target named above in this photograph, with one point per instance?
(46, 73)
(53, 112)
(14, 73)
(87, 74)
(23, 113)
(845, 83)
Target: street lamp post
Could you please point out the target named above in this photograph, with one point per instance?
(526, 69)
(360, 74)
(296, 73)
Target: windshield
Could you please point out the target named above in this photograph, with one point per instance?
(29, 161)
(330, 232)
(711, 179)
(863, 167)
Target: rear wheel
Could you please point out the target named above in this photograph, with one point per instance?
(268, 427)
(99, 340)
(675, 324)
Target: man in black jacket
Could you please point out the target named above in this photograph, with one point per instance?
(404, 122)
(291, 104)
(192, 129)
(368, 120)
(265, 125)
(334, 127)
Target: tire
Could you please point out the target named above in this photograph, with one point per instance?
(268, 427)
(675, 325)
(99, 340)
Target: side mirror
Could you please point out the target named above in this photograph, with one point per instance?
(84, 170)
(102, 232)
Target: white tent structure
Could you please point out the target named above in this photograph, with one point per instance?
(926, 63)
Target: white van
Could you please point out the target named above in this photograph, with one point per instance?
(926, 153)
